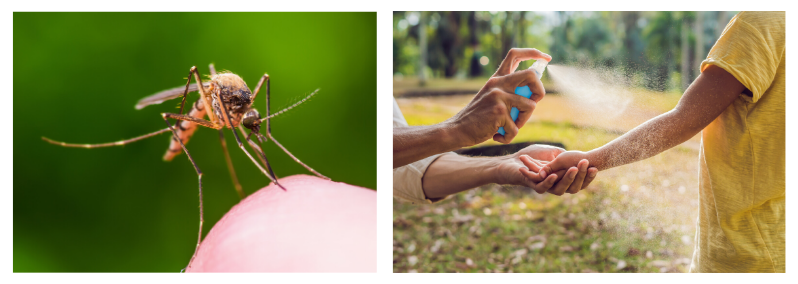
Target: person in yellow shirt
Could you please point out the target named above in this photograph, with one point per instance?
(738, 102)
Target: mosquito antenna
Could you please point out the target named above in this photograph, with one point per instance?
(290, 107)
(117, 143)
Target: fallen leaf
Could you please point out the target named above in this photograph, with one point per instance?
(537, 246)
(633, 252)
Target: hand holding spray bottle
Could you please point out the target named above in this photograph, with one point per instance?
(539, 66)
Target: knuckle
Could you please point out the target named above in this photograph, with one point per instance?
(529, 73)
(498, 109)
(493, 81)
(492, 93)
(532, 104)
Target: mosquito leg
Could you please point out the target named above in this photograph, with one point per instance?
(213, 69)
(295, 158)
(192, 119)
(258, 150)
(204, 95)
(236, 184)
(252, 145)
(263, 79)
(188, 82)
(226, 117)
(118, 143)
(199, 177)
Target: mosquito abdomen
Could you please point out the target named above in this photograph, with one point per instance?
(184, 130)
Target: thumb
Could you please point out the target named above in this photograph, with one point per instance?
(554, 166)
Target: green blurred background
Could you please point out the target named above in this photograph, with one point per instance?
(77, 77)
(656, 50)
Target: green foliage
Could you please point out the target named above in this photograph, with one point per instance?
(644, 43)
(77, 77)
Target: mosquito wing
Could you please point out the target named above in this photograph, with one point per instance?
(168, 95)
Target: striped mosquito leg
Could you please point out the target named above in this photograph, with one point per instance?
(192, 71)
(263, 79)
(212, 69)
(232, 170)
(185, 92)
(117, 143)
(295, 158)
(199, 177)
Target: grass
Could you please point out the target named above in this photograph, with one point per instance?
(635, 218)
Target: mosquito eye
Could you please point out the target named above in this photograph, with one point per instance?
(251, 119)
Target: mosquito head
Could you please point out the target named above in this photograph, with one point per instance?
(251, 120)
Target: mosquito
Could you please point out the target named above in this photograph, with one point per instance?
(230, 102)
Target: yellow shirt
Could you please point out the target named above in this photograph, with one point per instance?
(741, 219)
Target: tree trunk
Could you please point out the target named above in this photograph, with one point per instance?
(422, 47)
(685, 70)
(700, 54)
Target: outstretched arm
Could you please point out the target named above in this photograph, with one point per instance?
(452, 173)
(711, 93)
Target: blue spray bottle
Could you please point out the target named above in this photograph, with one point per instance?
(539, 66)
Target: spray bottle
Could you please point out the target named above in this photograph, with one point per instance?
(539, 66)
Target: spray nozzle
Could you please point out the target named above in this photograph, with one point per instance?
(539, 66)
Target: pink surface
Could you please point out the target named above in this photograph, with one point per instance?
(315, 226)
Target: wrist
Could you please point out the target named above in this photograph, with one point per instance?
(451, 135)
(493, 169)
(597, 159)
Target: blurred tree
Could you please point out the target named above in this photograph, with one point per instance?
(656, 50)
(474, 66)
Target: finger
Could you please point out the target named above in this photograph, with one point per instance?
(548, 168)
(580, 177)
(545, 185)
(525, 107)
(515, 56)
(510, 130)
(531, 164)
(561, 186)
(526, 77)
(591, 174)
(530, 176)
(499, 138)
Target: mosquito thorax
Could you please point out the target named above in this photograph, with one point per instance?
(234, 92)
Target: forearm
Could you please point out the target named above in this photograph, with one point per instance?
(414, 143)
(644, 141)
(711, 94)
(452, 173)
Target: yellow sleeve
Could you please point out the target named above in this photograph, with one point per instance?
(747, 50)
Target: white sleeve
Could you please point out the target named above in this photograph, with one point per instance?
(407, 178)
